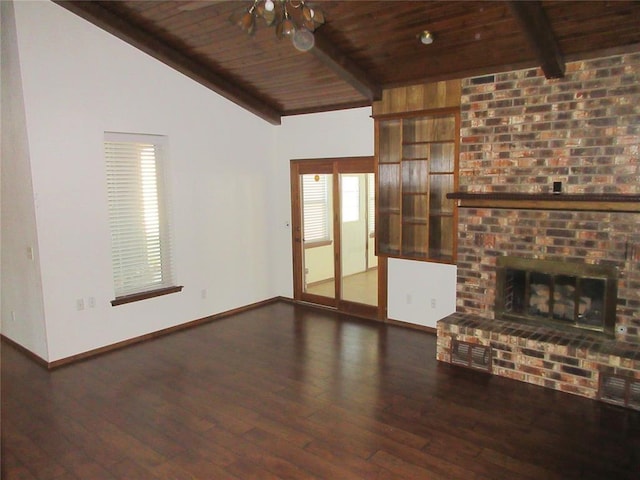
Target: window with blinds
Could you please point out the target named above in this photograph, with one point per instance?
(138, 217)
(315, 203)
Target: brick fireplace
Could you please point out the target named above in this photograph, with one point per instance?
(520, 133)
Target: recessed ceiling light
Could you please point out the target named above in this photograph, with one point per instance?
(426, 37)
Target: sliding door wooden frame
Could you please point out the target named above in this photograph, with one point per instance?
(335, 167)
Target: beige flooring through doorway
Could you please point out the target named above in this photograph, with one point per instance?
(359, 287)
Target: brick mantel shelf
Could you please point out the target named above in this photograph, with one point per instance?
(549, 201)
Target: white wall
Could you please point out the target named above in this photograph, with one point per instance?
(78, 82)
(318, 263)
(22, 302)
(230, 190)
(343, 133)
(421, 292)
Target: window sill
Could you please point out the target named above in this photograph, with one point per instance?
(136, 297)
(323, 243)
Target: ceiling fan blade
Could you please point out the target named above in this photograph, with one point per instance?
(309, 25)
(318, 17)
(308, 13)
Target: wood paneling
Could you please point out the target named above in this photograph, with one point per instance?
(363, 47)
(416, 98)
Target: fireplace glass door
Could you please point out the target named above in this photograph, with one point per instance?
(558, 293)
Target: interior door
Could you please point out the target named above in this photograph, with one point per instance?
(333, 235)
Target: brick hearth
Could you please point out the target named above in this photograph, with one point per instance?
(572, 362)
(520, 133)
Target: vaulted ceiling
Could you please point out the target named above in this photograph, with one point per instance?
(364, 46)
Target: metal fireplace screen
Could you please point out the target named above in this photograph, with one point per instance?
(558, 293)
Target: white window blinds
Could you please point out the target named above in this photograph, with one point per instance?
(140, 239)
(315, 200)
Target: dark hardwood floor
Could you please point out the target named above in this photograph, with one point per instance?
(289, 392)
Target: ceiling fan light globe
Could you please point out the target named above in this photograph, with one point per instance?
(269, 5)
(303, 40)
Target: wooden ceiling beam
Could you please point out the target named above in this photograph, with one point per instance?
(334, 59)
(171, 55)
(533, 20)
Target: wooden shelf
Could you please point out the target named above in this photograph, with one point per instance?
(549, 201)
(450, 141)
(416, 159)
(414, 220)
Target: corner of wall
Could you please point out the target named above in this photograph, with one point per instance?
(22, 306)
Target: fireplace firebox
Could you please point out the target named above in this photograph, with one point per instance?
(557, 293)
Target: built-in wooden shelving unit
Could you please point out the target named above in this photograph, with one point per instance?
(549, 201)
(417, 146)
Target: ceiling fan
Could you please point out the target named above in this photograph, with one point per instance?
(293, 19)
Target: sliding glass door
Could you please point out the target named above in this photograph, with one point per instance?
(333, 205)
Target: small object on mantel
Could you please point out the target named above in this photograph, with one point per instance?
(557, 188)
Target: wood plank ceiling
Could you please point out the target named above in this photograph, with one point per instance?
(364, 46)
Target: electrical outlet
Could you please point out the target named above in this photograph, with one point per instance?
(91, 302)
(409, 299)
(433, 303)
(203, 293)
(80, 304)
